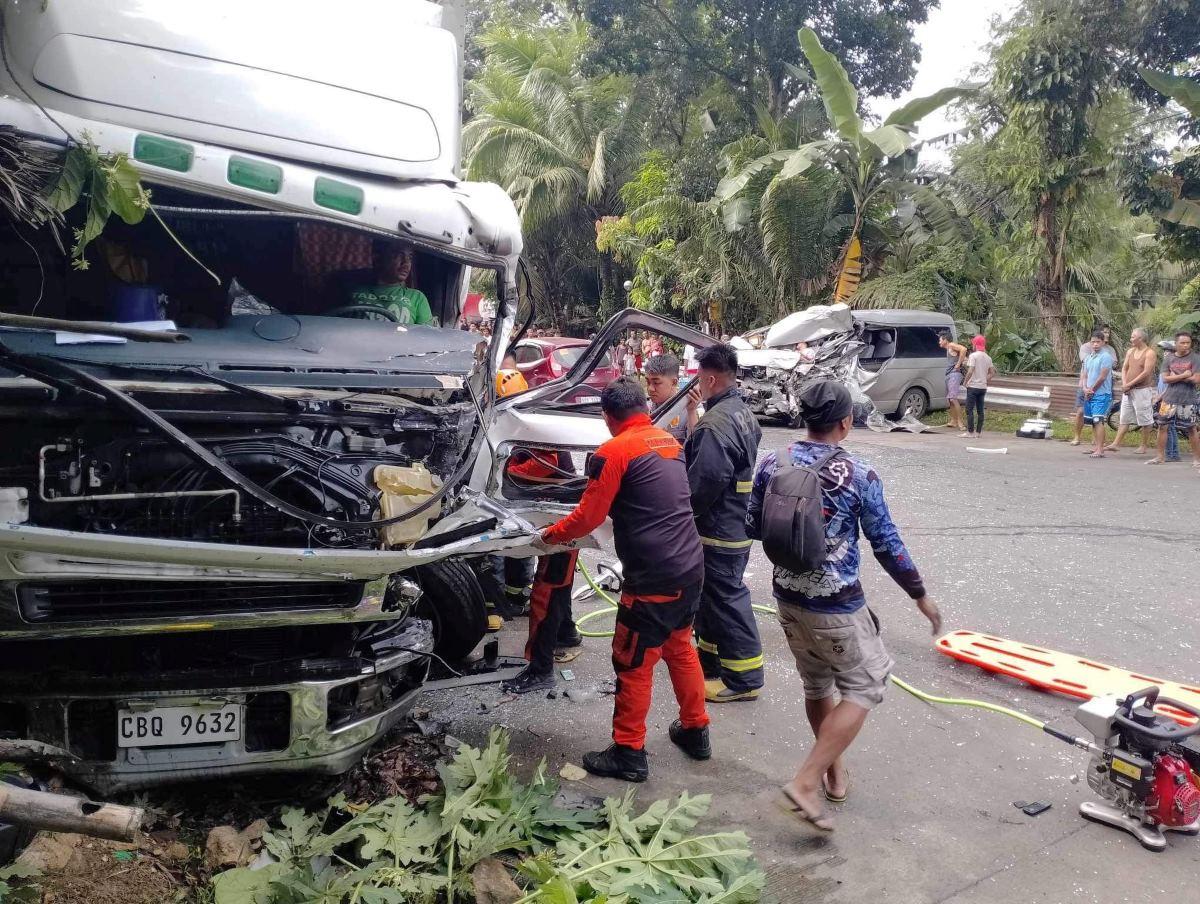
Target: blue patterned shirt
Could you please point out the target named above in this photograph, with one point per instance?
(853, 497)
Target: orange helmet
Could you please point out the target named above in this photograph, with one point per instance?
(510, 382)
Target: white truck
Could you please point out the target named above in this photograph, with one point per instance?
(233, 552)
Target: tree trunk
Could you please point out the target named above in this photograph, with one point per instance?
(1050, 284)
(62, 813)
(775, 92)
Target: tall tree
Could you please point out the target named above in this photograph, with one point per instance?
(747, 44)
(1058, 63)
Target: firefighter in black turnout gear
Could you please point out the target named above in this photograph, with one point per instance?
(721, 454)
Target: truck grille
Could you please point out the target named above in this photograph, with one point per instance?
(71, 601)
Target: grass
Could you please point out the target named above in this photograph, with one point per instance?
(1009, 422)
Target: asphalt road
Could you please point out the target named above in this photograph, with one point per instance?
(1099, 558)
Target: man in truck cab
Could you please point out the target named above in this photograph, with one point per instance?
(389, 289)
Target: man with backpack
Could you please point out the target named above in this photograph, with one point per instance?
(808, 504)
(720, 453)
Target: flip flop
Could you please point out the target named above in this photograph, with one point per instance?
(817, 820)
(829, 797)
(567, 654)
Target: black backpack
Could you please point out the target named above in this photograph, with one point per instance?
(793, 525)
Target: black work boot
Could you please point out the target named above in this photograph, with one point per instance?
(618, 761)
(529, 681)
(517, 602)
(692, 741)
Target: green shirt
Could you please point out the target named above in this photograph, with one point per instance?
(409, 305)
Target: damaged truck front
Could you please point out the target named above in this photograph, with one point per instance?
(229, 537)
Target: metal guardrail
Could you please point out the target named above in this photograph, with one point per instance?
(1029, 399)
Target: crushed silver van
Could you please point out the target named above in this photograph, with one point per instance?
(890, 358)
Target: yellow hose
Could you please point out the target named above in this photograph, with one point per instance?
(767, 610)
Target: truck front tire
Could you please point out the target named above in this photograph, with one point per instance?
(454, 602)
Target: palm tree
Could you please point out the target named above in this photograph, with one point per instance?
(559, 142)
(817, 204)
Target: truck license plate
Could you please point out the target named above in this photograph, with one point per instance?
(178, 725)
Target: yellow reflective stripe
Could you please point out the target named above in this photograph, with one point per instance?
(744, 486)
(743, 665)
(705, 645)
(726, 544)
(510, 589)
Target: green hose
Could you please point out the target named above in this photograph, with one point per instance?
(612, 606)
(767, 610)
(956, 701)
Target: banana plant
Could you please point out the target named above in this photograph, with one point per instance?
(870, 164)
(1185, 92)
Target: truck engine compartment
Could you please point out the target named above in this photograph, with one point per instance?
(272, 427)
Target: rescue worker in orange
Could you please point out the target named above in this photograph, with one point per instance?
(640, 480)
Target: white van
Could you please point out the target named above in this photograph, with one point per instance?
(903, 353)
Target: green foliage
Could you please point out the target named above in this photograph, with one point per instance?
(1017, 353)
(652, 857)
(394, 852)
(107, 184)
(15, 891)
(811, 201)
(741, 51)
(561, 142)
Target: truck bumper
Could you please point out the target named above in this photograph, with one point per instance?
(315, 726)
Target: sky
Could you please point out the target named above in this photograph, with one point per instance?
(952, 42)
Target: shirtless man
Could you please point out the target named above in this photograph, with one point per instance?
(1137, 390)
(956, 366)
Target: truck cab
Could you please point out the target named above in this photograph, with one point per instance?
(233, 513)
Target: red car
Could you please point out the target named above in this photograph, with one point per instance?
(547, 358)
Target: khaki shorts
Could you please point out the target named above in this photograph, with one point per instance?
(1137, 405)
(840, 651)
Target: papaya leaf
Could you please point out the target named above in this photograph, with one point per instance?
(98, 210)
(247, 886)
(294, 842)
(401, 833)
